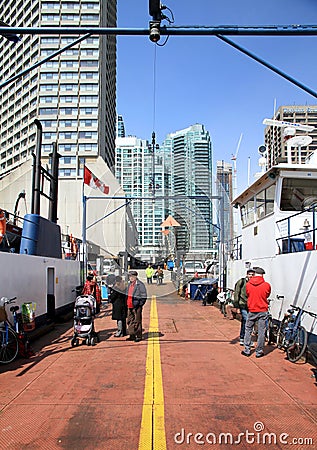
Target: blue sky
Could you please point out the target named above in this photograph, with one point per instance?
(204, 80)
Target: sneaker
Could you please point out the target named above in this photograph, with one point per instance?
(244, 353)
(259, 355)
(252, 344)
(241, 342)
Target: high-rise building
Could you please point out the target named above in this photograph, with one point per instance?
(274, 140)
(135, 162)
(120, 127)
(224, 183)
(73, 94)
(191, 185)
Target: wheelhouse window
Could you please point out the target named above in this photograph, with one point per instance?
(259, 206)
(298, 194)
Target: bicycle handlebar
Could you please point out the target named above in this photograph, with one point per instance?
(297, 308)
(7, 301)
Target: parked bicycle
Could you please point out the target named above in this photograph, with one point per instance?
(12, 336)
(292, 336)
(271, 327)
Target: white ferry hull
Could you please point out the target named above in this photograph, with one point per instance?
(293, 278)
(36, 278)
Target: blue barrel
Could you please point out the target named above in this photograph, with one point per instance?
(40, 237)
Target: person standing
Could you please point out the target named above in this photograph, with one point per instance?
(91, 288)
(258, 292)
(136, 298)
(119, 306)
(240, 300)
(149, 272)
(159, 275)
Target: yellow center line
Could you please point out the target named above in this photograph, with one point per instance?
(152, 432)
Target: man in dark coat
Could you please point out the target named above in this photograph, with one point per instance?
(136, 298)
(119, 306)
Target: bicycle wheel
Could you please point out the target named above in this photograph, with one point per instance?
(280, 337)
(270, 336)
(298, 345)
(8, 347)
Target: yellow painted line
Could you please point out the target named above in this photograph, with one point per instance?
(152, 432)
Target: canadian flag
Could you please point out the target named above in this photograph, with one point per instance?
(92, 181)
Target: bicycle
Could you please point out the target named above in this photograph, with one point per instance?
(12, 336)
(292, 336)
(271, 327)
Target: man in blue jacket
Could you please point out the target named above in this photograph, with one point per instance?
(136, 298)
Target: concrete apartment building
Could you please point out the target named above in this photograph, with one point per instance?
(274, 139)
(74, 100)
(73, 95)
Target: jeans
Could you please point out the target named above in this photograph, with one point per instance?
(260, 318)
(244, 317)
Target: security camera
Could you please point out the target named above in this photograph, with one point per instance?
(155, 33)
(262, 149)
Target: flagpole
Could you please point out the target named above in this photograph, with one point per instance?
(84, 233)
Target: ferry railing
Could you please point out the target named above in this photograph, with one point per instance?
(307, 242)
(235, 248)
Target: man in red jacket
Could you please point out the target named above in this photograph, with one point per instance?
(258, 292)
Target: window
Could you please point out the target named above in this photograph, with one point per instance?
(68, 111)
(88, 134)
(298, 194)
(265, 202)
(247, 213)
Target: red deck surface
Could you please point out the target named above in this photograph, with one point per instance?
(92, 397)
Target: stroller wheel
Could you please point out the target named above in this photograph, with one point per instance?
(87, 341)
(92, 341)
(74, 342)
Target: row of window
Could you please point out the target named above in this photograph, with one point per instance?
(70, 5)
(68, 87)
(258, 207)
(70, 99)
(72, 52)
(70, 123)
(71, 135)
(68, 40)
(68, 111)
(91, 147)
(70, 64)
(72, 17)
(70, 76)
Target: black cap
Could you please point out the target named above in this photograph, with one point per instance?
(133, 272)
(259, 270)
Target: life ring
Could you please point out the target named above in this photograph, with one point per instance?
(3, 225)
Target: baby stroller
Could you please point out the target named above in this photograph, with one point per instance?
(84, 315)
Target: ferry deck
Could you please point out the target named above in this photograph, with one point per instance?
(185, 385)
